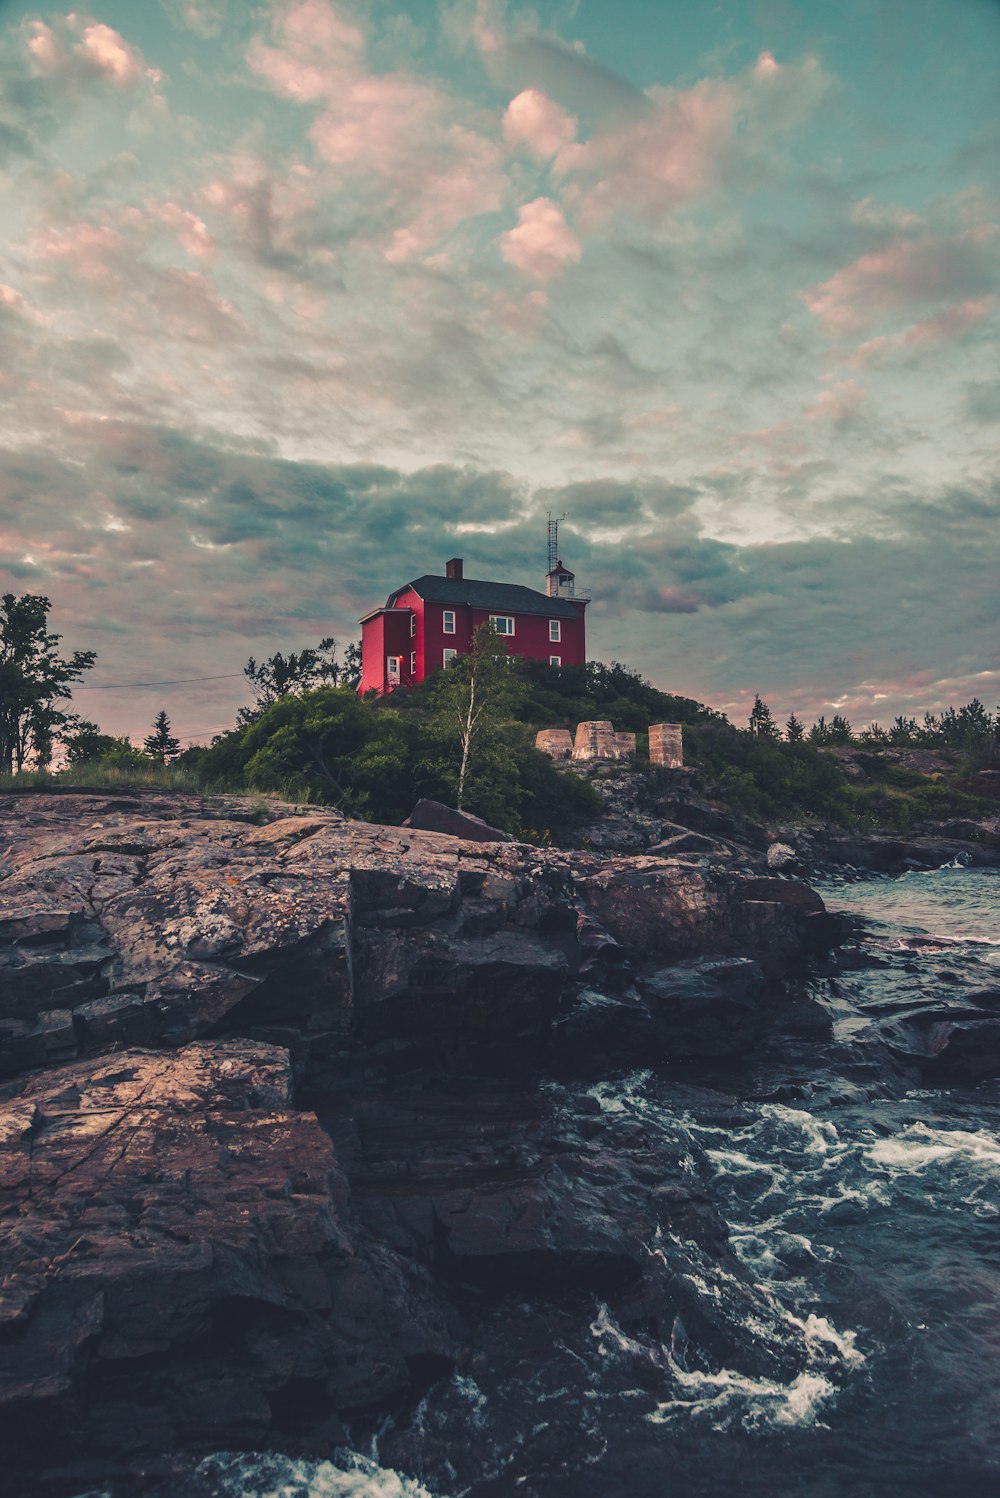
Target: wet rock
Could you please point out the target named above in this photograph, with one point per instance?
(705, 1007)
(949, 1048)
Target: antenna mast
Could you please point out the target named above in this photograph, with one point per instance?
(554, 540)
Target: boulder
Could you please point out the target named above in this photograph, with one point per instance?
(780, 856)
(434, 816)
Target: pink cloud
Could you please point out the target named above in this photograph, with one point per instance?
(112, 56)
(393, 135)
(524, 314)
(19, 306)
(190, 229)
(543, 244)
(192, 309)
(89, 249)
(839, 406)
(689, 142)
(314, 47)
(950, 326)
(534, 120)
(908, 271)
(459, 179)
(273, 217)
(872, 214)
(93, 50)
(375, 120)
(660, 161)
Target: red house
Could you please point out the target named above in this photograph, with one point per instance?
(428, 622)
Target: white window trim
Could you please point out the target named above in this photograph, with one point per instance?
(413, 625)
(555, 632)
(413, 663)
(446, 628)
(555, 660)
(496, 619)
(448, 655)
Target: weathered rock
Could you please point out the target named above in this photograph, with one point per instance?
(195, 1262)
(434, 816)
(780, 856)
(671, 910)
(158, 923)
(178, 1266)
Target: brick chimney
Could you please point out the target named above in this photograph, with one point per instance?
(455, 569)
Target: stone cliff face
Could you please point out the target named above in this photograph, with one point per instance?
(282, 1097)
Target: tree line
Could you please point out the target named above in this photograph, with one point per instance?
(971, 729)
(465, 736)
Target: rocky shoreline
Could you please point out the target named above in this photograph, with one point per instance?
(298, 1114)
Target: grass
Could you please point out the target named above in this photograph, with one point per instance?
(103, 777)
(152, 777)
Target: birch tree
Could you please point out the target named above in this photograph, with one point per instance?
(473, 697)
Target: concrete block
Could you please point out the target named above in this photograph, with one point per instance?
(556, 742)
(666, 745)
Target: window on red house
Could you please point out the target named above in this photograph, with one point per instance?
(448, 656)
(448, 627)
(555, 630)
(413, 625)
(503, 623)
(392, 670)
(555, 660)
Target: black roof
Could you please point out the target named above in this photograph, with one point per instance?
(497, 598)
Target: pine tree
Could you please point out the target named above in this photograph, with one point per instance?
(762, 724)
(161, 743)
(794, 730)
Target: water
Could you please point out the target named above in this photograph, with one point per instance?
(864, 1208)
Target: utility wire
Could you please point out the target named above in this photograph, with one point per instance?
(121, 686)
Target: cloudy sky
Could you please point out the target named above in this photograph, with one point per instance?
(299, 299)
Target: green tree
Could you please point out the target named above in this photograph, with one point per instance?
(471, 700)
(794, 730)
(332, 746)
(35, 680)
(350, 671)
(904, 731)
(161, 744)
(840, 730)
(762, 724)
(291, 675)
(85, 744)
